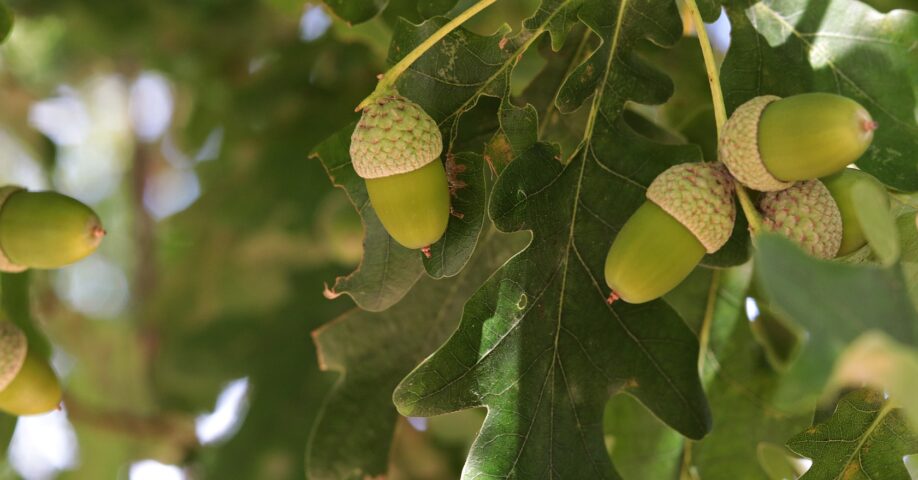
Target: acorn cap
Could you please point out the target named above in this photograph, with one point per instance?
(807, 214)
(739, 147)
(394, 135)
(700, 197)
(7, 265)
(13, 349)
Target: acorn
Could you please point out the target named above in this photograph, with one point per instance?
(807, 214)
(396, 149)
(689, 211)
(28, 385)
(44, 230)
(769, 142)
(841, 187)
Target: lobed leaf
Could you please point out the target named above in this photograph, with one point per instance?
(387, 270)
(741, 387)
(866, 437)
(373, 351)
(787, 47)
(538, 344)
(835, 303)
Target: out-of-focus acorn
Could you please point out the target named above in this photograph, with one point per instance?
(28, 385)
(44, 230)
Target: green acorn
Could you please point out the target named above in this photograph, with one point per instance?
(395, 149)
(841, 186)
(807, 214)
(689, 211)
(769, 142)
(44, 230)
(28, 385)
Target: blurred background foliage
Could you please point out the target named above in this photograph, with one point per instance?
(184, 343)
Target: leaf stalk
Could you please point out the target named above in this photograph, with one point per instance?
(720, 109)
(388, 79)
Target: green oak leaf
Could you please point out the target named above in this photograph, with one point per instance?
(640, 444)
(387, 270)
(741, 385)
(6, 21)
(777, 462)
(538, 344)
(834, 303)
(14, 294)
(865, 438)
(430, 8)
(876, 360)
(450, 78)
(448, 256)
(879, 226)
(907, 225)
(356, 11)
(710, 9)
(373, 351)
(447, 81)
(7, 427)
(787, 47)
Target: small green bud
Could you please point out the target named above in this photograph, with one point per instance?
(45, 230)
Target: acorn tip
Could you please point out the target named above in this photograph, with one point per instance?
(869, 125)
(612, 298)
(426, 251)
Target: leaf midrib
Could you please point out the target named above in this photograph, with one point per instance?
(881, 415)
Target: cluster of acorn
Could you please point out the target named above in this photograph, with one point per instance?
(794, 150)
(37, 230)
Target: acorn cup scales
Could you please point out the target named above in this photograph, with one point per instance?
(771, 142)
(689, 211)
(807, 214)
(395, 148)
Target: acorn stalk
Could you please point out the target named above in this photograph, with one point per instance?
(45, 230)
(395, 148)
(689, 211)
(769, 142)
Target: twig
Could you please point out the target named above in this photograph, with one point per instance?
(720, 109)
